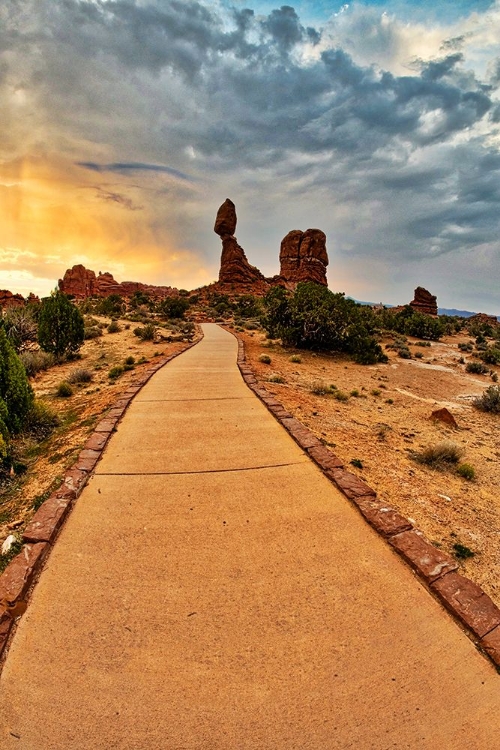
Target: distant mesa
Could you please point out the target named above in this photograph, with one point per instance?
(424, 301)
(80, 282)
(303, 257)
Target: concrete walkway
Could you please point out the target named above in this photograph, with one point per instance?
(212, 590)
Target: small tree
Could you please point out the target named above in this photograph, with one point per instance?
(16, 395)
(60, 326)
(174, 307)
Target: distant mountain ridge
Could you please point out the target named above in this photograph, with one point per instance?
(441, 310)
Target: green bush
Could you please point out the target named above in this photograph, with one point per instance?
(275, 378)
(491, 356)
(64, 390)
(315, 318)
(15, 390)
(466, 471)
(174, 307)
(462, 552)
(296, 359)
(91, 332)
(60, 326)
(489, 401)
(265, 359)
(130, 361)
(115, 372)
(477, 368)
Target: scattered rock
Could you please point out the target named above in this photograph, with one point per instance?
(443, 415)
(7, 544)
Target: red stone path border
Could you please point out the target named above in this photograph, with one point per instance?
(41, 532)
(464, 599)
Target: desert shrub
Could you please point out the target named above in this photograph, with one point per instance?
(146, 333)
(91, 332)
(60, 326)
(16, 393)
(462, 552)
(466, 471)
(357, 463)
(116, 372)
(36, 361)
(320, 388)
(80, 375)
(418, 355)
(354, 393)
(315, 318)
(265, 359)
(112, 305)
(489, 401)
(422, 343)
(114, 327)
(296, 359)
(130, 361)
(491, 356)
(476, 367)
(340, 395)
(494, 377)
(174, 307)
(247, 306)
(439, 455)
(275, 378)
(41, 419)
(375, 392)
(64, 389)
(465, 346)
(412, 323)
(252, 325)
(21, 327)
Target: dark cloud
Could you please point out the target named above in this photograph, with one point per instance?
(127, 167)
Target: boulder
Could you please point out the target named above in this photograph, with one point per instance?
(445, 416)
(225, 221)
(424, 301)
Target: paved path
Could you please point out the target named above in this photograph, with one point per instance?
(213, 591)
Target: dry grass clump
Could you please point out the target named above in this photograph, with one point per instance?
(80, 375)
(439, 455)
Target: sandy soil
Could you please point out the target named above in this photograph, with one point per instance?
(78, 415)
(388, 421)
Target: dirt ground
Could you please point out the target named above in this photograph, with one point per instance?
(78, 414)
(388, 421)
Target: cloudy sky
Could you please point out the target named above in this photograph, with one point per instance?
(124, 124)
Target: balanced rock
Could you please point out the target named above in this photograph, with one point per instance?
(225, 221)
(424, 302)
(303, 257)
(234, 266)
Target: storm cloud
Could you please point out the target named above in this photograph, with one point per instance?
(193, 102)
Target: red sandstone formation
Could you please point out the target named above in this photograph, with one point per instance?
(303, 257)
(80, 283)
(7, 299)
(424, 302)
(235, 270)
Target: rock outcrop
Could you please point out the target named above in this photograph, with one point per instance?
(235, 270)
(80, 282)
(491, 320)
(424, 302)
(7, 299)
(303, 257)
